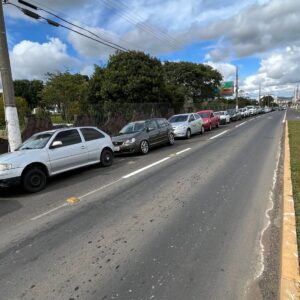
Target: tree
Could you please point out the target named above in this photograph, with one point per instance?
(95, 85)
(22, 107)
(67, 91)
(133, 77)
(29, 90)
(266, 101)
(197, 80)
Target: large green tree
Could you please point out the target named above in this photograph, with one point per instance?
(199, 81)
(133, 77)
(29, 90)
(67, 91)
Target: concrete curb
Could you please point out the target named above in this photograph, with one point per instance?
(290, 279)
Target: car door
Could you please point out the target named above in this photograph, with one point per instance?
(163, 130)
(70, 154)
(94, 141)
(153, 132)
(198, 122)
(192, 124)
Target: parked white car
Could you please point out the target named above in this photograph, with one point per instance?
(251, 109)
(224, 117)
(184, 125)
(52, 152)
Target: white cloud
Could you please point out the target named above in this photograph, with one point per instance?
(278, 72)
(226, 69)
(31, 60)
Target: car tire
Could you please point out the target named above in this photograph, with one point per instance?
(217, 125)
(171, 139)
(34, 180)
(202, 130)
(144, 147)
(188, 134)
(209, 128)
(107, 158)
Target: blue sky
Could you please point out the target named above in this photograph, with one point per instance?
(261, 37)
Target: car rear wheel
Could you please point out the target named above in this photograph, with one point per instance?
(34, 180)
(107, 158)
(171, 139)
(188, 134)
(144, 147)
(210, 128)
(217, 125)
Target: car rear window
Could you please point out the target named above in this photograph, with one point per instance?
(91, 134)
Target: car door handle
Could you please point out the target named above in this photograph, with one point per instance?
(82, 147)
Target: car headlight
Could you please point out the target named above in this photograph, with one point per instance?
(130, 141)
(5, 167)
(205, 121)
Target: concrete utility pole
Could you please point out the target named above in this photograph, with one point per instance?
(237, 88)
(11, 115)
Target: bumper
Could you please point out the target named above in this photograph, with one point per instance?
(128, 148)
(13, 181)
(206, 125)
(222, 121)
(179, 132)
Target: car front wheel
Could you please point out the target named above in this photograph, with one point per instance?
(144, 147)
(202, 130)
(34, 180)
(188, 134)
(171, 139)
(107, 158)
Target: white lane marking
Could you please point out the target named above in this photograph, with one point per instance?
(284, 118)
(182, 151)
(48, 212)
(145, 168)
(99, 189)
(241, 124)
(215, 136)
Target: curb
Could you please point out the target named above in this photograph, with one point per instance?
(289, 279)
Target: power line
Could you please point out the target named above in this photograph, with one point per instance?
(54, 13)
(70, 23)
(137, 19)
(56, 24)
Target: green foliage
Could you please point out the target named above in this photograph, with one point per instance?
(67, 91)
(294, 137)
(29, 90)
(198, 81)
(22, 108)
(266, 101)
(133, 77)
(95, 86)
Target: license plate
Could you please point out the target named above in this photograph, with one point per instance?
(117, 149)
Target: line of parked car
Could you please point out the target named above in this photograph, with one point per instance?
(52, 152)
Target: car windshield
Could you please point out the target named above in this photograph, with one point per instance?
(204, 114)
(37, 141)
(133, 127)
(177, 119)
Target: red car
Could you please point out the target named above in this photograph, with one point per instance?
(210, 120)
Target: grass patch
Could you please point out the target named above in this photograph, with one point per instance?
(294, 136)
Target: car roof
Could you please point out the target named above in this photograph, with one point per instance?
(64, 129)
(205, 110)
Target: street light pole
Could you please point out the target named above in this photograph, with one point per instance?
(237, 89)
(11, 114)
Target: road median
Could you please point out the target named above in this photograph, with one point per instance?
(290, 279)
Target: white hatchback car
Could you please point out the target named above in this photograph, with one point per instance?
(52, 152)
(184, 125)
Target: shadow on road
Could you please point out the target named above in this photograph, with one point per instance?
(8, 206)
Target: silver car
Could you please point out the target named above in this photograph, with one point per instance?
(52, 152)
(184, 125)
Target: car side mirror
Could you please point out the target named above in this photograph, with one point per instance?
(56, 144)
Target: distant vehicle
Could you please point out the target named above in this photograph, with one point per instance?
(184, 125)
(224, 117)
(251, 109)
(235, 115)
(62, 125)
(48, 153)
(244, 112)
(140, 136)
(210, 120)
(267, 109)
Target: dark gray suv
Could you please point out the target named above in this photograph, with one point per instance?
(140, 136)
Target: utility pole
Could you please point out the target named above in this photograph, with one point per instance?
(259, 94)
(237, 89)
(11, 114)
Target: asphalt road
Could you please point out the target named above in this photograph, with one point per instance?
(184, 222)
